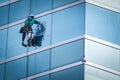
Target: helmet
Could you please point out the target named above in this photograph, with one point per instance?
(31, 16)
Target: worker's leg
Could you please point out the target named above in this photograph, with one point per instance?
(23, 38)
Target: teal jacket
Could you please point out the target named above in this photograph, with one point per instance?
(30, 22)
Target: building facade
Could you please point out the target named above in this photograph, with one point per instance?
(81, 42)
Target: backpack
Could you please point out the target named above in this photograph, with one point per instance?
(40, 30)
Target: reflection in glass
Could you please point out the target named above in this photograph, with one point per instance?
(1, 1)
(2, 71)
(68, 23)
(58, 3)
(75, 73)
(3, 39)
(39, 62)
(3, 15)
(16, 70)
(39, 6)
(104, 24)
(15, 47)
(102, 55)
(67, 54)
(92, 73)
(19, 10)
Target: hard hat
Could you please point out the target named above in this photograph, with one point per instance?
(31, 16)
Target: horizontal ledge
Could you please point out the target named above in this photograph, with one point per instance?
(62, 43)
(42, 49)
(102, 68)
(43, 14)
(100, 41)
(103, 6)
(8, 2)
(54, 70)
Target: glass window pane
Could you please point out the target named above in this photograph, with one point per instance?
(92, 73)
(42, 78)
(104, 24)
(16, 70)
(67, 54)
(39, 6)
(46, 21)
(39, 62)
(15, 42)
(3, 15)
(102, 55)
(111, 3)
(2, 71)
(75, 73)
(19, 10)
(1, 1)
(68, 23)
(3, 40)
(58, 3)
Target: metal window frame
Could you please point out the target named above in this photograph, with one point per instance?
(7, 3)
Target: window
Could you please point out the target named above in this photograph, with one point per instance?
(104, 24)
(68, 23)
(67, 54)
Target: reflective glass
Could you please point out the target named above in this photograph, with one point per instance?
(58, 3)
(19, 10)
(92, 73)
(104, 24)
(68, 23)
(1, 1)
(2, 71)
(75, 73)
(14, 42)
(3, 40)
(42, 78)
(102, 55)
(67, 54)
(39, 6)
(39, 62)
(3, 15)
(16, 70)
(111, 3)
(46, 21)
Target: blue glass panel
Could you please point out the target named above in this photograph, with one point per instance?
(16, 70)
(3, 40)
(103, 23)
(68, 23)
(1, 1)
(42, 78)
(14, 42)
(19, 10)
(92, 73)
(39, 6)
(67, 54)
(3, 15)
(46, 21)
(2, 71)
(75, 73)
(58, 3)
(39, 62)
(102, 55)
